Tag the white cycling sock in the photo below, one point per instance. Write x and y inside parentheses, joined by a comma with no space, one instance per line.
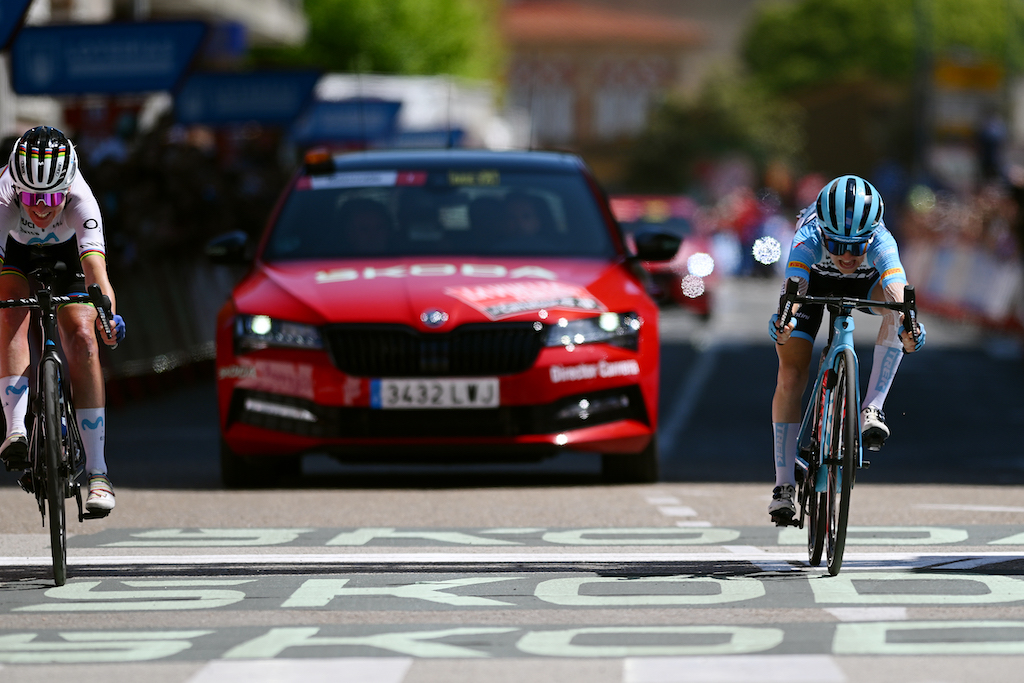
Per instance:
(15,401)
(92,427)
(785,452)
(884,363)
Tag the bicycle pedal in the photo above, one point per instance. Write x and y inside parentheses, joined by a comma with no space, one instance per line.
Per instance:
(784,518)
(26,483)
(95,514)
(865,464)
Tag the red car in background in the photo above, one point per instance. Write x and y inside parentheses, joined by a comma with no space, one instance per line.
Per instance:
(689,279)
(439,305)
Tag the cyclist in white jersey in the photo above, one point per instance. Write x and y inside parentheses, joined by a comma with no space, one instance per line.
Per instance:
(46,208)
(841,248)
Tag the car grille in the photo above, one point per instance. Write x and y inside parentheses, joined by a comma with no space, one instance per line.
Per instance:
(331,422)
(400,351)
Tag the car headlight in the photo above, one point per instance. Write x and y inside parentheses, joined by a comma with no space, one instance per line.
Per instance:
(618,329)
(253,332)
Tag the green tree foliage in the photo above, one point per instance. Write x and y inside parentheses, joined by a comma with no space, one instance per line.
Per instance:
(731,115)
(457,37)
(794,46)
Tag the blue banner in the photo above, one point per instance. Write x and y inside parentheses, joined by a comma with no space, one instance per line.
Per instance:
(103,58)
(267,97)
(427,139)
(353,120)
(12,12)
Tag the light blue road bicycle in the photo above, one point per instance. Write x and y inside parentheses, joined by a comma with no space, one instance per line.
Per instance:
(830,447)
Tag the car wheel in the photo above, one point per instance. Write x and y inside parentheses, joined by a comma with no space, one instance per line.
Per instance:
(632,468)
(242,472)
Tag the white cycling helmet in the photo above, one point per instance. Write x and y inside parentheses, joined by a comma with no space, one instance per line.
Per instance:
(43,161)
(849,209)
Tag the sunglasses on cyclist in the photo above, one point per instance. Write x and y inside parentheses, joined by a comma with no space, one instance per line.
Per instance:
(837,248)
(47,198)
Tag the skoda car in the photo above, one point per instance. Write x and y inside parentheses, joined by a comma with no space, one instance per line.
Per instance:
(435,305)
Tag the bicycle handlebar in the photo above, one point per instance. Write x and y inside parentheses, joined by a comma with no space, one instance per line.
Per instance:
(95,296)
(792,296)
(102,304)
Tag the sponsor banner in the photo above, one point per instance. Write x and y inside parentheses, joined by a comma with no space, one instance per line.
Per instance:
(356,120)
(350,179)
(103,58)
(267,97)
(278,377)
(482,270)
(967,282)
(602,369)
(12,13)
(503,300)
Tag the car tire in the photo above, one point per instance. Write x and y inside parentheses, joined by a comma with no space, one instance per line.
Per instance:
(631,468)
(242,472)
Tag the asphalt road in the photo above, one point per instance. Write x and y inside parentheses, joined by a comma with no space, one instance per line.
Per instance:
(507,573)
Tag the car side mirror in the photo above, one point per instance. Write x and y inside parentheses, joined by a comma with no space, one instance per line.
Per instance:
(656,246)
(229,249)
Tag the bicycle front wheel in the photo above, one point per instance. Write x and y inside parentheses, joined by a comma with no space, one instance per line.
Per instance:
(841,457)
(52,448)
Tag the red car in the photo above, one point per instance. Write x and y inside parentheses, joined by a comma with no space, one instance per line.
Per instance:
(437,305)
(690,278)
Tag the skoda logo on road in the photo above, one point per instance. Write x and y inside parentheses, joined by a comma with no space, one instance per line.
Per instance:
(434,317)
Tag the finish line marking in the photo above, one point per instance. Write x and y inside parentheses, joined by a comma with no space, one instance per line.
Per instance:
(767,561)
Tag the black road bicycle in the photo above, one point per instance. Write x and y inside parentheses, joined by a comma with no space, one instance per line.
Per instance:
(55,448)
(830,445)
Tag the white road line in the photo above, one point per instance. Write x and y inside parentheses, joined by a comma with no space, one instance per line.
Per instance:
(361,669)
(797,559)
(868,613)
(677,511)
(674,423)
(968,508)
(761,668)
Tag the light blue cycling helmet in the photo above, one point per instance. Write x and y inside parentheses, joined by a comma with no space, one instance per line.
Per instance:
(849,209)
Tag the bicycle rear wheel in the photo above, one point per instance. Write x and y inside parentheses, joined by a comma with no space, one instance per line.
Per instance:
(841,462)
(52,448)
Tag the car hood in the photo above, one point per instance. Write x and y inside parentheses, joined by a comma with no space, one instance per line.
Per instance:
(436,293)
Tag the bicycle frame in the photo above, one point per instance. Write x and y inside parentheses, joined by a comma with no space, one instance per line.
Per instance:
(840,339)
(830,446)
(56,452)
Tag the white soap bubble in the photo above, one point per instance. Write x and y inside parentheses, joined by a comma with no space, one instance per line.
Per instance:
(700,264)
(692,286)
(767,250)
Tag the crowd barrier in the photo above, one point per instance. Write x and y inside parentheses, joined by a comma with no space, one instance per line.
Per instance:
(170,311)
(967,282)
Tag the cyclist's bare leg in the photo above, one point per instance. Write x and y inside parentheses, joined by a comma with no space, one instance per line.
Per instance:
(794,364)
(14,322)
(14,361)
(885,361)
(76,323)
(794,368)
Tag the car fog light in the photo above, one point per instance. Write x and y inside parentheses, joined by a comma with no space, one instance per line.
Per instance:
(277,410)
(584,408)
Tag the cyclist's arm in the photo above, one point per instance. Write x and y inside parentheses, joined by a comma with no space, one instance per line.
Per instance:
(886,259)
(94,266)
(782,335)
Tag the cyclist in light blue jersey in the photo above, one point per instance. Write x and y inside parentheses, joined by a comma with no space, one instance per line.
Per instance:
(841,248)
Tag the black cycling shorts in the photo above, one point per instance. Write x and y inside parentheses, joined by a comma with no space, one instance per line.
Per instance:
(808,317)
(69,280)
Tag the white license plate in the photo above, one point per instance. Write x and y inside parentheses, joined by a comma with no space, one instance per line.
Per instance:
(426,393)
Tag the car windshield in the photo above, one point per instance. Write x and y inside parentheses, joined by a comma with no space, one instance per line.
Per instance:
(471,212)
